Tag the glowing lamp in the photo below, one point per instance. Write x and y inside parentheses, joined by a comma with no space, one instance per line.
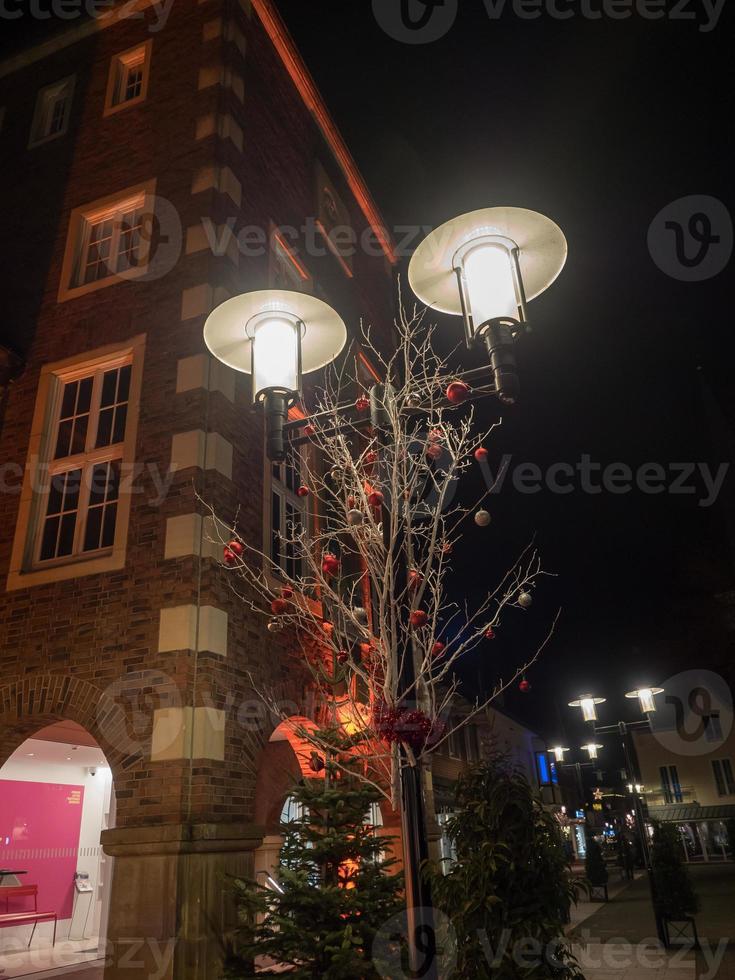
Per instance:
(646,697)
(591,748)
(486,266)
(277,336)
(558,752)
(588,704)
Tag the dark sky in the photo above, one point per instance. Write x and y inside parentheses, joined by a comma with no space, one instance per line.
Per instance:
(598,123)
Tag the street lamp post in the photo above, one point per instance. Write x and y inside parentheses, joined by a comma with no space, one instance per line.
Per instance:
(646,698)
(485,266)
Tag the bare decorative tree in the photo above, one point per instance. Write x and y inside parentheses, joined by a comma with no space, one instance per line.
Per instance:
(369,609)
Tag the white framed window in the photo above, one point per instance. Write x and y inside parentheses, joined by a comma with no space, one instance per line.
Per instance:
(670,785)
(52,112)
(286,270)
(287,513)
(724,777)
(76,495)
(108,241)
(127,84)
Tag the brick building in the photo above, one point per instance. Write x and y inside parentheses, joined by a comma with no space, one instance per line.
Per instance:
(151,166)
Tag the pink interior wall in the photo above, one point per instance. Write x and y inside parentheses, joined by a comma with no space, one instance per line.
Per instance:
(39,833)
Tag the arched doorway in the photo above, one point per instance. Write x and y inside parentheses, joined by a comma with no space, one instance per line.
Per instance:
(56,797)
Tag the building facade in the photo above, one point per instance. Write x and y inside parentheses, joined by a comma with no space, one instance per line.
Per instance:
(159,168)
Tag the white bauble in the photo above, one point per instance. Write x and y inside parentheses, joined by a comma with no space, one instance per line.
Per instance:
(482,518)
(525,600)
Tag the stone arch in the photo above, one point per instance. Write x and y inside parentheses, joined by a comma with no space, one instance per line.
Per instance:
(30,703)
(283,762)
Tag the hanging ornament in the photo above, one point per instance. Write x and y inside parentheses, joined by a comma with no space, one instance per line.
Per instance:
(525,600)
(274,626)
(235,547)
(482,518)
(360,614)
(229,557)
(316,763)
(342,657)
(355,518)
(447,548)
(365,649)
(458,392)
(434,451)
(375,498)
(309,430)
(336,474)
(328,628)
(524,687)
(371,456)
(362,404)
(330,563)
(415,578)
(489,633)
(351,502)
(481,455)
(418,618)
(438,649)
(303,492)
(278,607)
(287,592)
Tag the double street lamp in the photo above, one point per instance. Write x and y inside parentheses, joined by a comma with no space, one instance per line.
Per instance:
(486,267)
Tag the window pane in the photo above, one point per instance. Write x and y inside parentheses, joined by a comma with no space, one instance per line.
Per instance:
(118,429)
(104,427)
(63,440)
(66,534)
(48,542)
(113,480)
(69,400)
(56,494)
(92,532)
(109,386)
(79,437)
(71,489)
(123,388)
(98,484)
(85,395)
(108,530)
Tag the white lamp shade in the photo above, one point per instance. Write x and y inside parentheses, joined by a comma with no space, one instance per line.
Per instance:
(646,697)
(588,704)
(591,749)
(275,349)
(490,287)
(226,327)
(559,752)
(541,244)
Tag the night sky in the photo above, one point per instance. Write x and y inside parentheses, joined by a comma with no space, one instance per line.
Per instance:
(598,124)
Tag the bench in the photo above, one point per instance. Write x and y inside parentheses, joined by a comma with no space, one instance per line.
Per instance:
(19,891)
(25,918)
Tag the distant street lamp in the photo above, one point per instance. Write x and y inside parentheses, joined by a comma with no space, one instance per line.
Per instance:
(588,704)
(486,266)
(591,748)
(645,697)
(559,752)
(277,336)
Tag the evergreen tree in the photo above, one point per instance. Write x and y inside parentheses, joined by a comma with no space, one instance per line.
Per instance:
(335,889)
(508,894)
(595,869)
(675,895)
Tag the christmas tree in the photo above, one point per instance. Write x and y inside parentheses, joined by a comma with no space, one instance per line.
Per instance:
(510,888)
(334,887)
(675,895)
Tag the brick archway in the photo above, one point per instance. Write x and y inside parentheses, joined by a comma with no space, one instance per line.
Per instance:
(29,704)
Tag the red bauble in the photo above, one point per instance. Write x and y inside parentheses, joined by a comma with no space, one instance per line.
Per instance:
(235,547)
(524,687)
(375,499)
(351,502)
(489,633)
(415,578)
(365,649)
(279,606)
(371,456)
(458,392)
(438,649)
(362,404)
(419,618)
(287,592)
(481,455)
(330,564)
(328,627)
(342,657)
(309,431)
(229,557)
(434,451)
(303,492)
